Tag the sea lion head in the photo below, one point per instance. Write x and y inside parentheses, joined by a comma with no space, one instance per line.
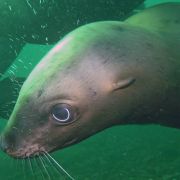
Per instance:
(82,86)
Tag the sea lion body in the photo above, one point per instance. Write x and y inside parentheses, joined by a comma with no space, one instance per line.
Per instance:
(99,75)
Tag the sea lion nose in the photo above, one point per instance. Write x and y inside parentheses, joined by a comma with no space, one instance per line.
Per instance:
(8,141)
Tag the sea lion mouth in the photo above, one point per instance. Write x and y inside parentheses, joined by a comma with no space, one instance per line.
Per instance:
(23,153)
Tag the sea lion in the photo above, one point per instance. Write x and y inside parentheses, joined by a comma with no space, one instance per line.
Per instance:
(48,21)
(100,75)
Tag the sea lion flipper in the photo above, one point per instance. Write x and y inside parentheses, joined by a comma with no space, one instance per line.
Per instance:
(121,84)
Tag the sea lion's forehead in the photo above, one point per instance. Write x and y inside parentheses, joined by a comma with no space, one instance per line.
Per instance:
(48,67)
(66,53)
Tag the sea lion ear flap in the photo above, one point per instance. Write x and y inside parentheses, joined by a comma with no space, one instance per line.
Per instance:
(121,84)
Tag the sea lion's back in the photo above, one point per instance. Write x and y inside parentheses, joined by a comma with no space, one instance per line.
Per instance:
(162,17)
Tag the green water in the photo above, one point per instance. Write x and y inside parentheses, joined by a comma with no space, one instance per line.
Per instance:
(148,152)
(128,152)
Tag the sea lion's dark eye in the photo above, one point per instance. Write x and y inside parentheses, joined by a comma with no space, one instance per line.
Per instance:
(62,113)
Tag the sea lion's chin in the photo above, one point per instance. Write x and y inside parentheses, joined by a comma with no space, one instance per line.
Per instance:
(29,148)
(35,150)
(27,152)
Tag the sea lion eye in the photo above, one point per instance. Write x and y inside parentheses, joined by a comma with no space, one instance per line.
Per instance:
(62,113)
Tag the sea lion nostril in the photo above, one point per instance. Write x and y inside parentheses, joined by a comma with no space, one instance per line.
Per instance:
(8,140)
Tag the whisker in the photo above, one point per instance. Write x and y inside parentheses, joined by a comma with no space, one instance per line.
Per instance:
(58,165)
(30,163)
(23,168)
(45,168)
(46,159)
(36,166)
(11,163)
(17,166)
(39,167)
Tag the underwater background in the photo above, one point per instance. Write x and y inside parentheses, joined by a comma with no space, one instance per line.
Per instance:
(131,152)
